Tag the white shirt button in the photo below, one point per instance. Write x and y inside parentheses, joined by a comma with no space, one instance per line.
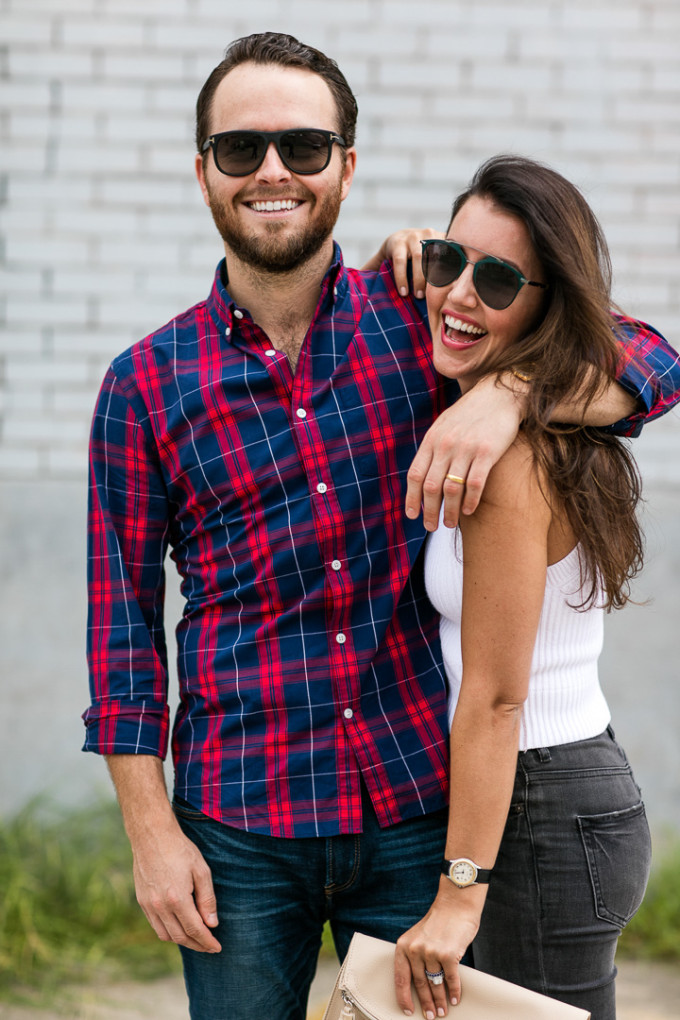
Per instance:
(227,331)
(322,487)
(271,353)
(238,314)
(336,565)
(348,713)
(341,638)
(301,413)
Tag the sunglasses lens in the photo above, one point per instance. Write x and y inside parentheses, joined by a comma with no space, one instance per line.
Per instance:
(497,284)
(305,152)
(443,263)
(239,152)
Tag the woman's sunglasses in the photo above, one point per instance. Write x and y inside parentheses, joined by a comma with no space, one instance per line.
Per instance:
(303,151)
(497,283)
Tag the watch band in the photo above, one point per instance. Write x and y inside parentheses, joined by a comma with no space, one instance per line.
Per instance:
(483,874)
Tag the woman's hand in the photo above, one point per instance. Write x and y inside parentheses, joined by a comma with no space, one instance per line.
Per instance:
(437,942)
(403,247)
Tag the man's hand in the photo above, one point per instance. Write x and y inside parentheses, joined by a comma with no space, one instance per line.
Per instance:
(403,247)
(174,889)
(172,880)
(460,449)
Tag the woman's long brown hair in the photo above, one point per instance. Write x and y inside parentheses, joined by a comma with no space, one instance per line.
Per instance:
(590,471)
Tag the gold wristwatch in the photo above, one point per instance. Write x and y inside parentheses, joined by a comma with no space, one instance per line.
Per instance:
(464,872)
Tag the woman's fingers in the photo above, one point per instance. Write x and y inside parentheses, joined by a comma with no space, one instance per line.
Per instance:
(436,983)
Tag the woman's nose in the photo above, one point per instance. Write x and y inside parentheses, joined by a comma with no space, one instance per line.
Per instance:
(463,288)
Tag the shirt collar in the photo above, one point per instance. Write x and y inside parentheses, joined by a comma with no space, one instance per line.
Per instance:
(226,314)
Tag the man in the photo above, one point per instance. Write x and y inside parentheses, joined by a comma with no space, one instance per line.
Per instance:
(265,435)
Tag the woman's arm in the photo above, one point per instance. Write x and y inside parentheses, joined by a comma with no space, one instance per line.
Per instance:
(505,555)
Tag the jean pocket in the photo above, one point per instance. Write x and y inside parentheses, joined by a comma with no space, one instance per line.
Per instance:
(184,810)
(618,851)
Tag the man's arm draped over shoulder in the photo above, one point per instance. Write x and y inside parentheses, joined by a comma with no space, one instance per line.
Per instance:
(472,435)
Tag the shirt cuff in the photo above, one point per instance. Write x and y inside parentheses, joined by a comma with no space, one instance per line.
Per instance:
(115,727)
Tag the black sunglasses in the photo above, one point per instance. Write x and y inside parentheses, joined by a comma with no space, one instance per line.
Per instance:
(302,151)
(497,283)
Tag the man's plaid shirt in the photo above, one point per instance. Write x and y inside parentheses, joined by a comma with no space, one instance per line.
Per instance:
(308,653)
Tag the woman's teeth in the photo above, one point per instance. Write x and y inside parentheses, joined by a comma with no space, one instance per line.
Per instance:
(463,327)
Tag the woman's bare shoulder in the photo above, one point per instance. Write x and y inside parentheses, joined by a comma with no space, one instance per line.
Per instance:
(516,477)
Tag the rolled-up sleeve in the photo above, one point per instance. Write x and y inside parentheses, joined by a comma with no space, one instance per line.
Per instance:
(128,525)
(649,369)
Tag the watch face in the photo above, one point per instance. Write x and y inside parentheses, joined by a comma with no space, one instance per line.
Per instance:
(463,873)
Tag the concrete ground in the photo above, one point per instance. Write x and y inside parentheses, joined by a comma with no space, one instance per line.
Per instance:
(646,991)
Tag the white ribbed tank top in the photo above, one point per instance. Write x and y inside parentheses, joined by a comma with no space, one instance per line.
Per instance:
(565,701)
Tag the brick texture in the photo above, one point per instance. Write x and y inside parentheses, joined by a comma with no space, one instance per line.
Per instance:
(103,234)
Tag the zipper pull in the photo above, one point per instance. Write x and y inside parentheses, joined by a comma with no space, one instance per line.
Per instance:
(347,1009)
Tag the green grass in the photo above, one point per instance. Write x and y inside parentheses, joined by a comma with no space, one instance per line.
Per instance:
(654,932)
(68,912)
(67,905)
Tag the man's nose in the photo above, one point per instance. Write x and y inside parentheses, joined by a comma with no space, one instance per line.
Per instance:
(272,167)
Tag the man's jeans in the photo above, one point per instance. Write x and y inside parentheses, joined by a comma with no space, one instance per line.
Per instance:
(571,872)
(274,895)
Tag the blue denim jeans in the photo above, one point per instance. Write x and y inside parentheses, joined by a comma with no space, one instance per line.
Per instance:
(571,872)
(274,895)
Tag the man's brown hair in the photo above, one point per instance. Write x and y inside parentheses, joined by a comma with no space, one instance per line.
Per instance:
(284,51)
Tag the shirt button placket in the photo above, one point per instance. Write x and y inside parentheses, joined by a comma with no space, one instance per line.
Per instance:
(335,564)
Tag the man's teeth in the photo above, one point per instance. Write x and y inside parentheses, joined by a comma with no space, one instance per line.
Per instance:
(278,206)
(462,327)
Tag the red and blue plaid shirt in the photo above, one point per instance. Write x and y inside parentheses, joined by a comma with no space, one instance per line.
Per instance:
(308,653)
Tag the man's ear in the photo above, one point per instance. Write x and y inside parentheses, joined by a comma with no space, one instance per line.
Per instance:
(348,172)
(200,174)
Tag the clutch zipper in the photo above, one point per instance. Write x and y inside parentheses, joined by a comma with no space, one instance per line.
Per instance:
(350,1005)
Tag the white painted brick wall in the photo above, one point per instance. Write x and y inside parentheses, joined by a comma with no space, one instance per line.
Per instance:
(103,234)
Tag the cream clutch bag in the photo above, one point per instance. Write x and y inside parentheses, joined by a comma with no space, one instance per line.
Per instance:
(364,990)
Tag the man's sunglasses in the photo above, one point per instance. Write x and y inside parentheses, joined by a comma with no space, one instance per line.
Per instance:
(303,151)
(497,283)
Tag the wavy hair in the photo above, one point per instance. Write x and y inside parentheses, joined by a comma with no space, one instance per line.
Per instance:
(590,471)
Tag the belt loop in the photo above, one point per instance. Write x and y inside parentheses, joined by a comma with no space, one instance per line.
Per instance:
(543,754)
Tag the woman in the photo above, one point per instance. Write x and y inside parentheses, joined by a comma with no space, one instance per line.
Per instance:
(543,801)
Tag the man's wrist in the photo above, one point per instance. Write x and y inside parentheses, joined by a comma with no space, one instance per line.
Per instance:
(518,388)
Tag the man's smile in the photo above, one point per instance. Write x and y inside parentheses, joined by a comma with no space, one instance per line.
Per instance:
(278,205)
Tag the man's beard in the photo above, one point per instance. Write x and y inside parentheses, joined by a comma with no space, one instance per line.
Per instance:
(272,253)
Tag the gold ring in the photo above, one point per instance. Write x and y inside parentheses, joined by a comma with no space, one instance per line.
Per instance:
(455,478)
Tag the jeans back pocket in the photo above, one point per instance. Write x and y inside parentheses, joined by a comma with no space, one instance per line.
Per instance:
(619,851)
